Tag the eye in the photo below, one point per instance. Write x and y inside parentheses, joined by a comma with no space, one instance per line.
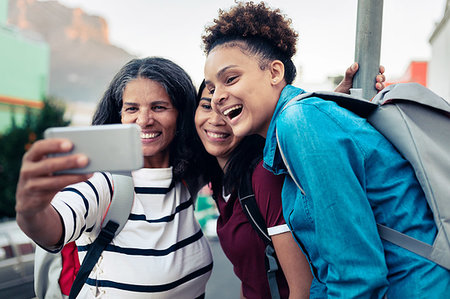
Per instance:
(206,106)
(130,109)
(230,80)
(159,108)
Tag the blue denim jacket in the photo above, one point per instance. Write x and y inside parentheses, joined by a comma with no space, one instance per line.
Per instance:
(352,179)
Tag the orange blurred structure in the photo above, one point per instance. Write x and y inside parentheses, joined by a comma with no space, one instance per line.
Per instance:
(416,72)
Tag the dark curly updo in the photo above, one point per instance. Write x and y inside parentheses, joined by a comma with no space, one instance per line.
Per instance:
(257,30)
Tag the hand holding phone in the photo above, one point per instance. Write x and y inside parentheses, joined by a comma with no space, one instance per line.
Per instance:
(113,148)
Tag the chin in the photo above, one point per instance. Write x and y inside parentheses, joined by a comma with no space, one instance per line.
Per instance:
(241,131)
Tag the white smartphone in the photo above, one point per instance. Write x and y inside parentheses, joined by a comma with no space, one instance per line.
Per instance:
(113,148)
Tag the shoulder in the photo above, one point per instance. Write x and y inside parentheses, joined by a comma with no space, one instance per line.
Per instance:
(264,180)
(308,109)
(267,188)
(313,117)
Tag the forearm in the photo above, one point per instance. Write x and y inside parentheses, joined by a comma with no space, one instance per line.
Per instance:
(294,265)
(44,227)
(242,294)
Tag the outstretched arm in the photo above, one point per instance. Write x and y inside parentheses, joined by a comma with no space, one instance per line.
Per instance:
(347,83)
(37,186)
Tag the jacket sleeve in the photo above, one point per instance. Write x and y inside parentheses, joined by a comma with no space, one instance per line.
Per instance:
(329,164)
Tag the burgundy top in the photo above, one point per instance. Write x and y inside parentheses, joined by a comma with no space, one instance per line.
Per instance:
(241,244)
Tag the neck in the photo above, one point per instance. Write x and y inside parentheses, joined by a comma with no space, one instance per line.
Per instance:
(222,162)
(156,161)
(265,126)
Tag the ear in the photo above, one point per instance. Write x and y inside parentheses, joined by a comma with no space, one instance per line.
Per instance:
(276,71)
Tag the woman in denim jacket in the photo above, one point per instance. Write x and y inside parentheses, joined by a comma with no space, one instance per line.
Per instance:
(350,177)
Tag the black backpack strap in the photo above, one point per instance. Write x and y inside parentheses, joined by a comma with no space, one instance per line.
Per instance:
(115,219)
(95,250)
(251,210)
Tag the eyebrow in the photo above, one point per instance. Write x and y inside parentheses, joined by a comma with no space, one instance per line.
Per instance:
(205,99)
(220,72)
(157,102)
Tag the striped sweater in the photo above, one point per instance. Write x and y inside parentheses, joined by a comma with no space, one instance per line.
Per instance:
(160,253)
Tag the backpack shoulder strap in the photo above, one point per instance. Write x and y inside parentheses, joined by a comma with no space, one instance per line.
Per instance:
(122,200)
(115,219)
(251,209)
(359,106)
(253,213)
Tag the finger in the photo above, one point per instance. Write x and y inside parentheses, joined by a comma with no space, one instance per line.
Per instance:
(35,194)
(46,167)
(382,69)
(53,184)
(42,148)
(351,71)
(381,78)
(379,86)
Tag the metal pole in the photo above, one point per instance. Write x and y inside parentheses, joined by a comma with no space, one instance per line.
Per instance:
(368,45)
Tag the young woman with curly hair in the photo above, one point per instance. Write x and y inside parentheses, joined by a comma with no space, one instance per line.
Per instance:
(350,176)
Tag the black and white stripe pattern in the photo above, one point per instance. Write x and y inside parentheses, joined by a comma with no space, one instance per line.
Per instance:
(160,253)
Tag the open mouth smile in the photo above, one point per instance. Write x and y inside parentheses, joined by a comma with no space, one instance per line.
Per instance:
(232,112)
(217,135)
(150,135)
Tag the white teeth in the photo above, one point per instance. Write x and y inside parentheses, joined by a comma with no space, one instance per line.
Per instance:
(226,112)
(149,135)
(216,135)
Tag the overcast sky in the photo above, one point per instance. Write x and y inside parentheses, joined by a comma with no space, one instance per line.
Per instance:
(172,28)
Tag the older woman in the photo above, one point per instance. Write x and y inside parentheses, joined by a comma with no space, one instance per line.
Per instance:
(161,252)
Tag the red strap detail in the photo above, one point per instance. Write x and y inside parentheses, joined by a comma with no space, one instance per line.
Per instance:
(70,267)
(109,205)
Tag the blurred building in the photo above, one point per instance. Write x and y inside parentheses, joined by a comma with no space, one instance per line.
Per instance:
(82,59)
(24,70)
(439,65)
(435,73)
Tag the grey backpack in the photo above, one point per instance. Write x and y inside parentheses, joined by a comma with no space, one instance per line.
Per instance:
(417,122)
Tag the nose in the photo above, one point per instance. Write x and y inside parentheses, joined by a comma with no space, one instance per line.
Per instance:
(144,119)
(217,99)
(216,119)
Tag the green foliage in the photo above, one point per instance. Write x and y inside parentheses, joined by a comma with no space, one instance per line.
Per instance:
(16,140)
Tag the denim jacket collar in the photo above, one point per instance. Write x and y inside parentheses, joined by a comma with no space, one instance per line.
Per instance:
(272,158)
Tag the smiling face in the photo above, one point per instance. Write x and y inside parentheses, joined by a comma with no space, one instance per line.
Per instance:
(243,93)
(216,135)
(147,104)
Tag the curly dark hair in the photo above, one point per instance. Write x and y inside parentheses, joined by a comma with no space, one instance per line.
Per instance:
(179,87)
(256,29)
